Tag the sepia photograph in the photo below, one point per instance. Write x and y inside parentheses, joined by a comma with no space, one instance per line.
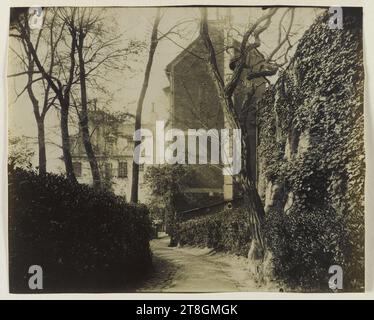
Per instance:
(190,149)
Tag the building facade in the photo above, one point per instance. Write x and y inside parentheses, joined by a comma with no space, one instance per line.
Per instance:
(112,140)
(194,104)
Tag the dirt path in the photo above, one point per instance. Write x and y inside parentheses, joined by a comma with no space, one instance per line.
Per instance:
(191,269)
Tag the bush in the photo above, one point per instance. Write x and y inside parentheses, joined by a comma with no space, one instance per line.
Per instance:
(84,240)
(304,244)
(226,231)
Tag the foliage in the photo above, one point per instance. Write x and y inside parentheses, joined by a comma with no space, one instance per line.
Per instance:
(167,183)
(227,231)
(84,239)
(305,244)
(20,154)
(167,179)
(156,209)
(319,96)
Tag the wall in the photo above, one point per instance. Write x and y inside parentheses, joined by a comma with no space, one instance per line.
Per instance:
(195,106)
(311,145)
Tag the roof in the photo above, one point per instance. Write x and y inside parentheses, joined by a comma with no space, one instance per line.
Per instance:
(215,25)
(191,47)
(102,116)
(182,54)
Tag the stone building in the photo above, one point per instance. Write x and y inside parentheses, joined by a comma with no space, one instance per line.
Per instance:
(112,140)
(194,104)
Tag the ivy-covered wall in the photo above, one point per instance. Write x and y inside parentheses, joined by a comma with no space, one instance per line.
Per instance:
(311,154)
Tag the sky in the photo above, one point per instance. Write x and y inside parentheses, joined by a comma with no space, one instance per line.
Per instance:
(136,24)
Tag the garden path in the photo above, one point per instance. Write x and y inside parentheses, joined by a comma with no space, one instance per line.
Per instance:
(191,269)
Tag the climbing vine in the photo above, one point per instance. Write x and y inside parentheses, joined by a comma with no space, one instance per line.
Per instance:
(311,142)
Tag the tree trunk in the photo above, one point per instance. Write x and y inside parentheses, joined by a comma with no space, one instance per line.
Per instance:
(38,117)
(83,121)
(135,171)
(171,221)
(41,145)
(139,108)
(251,197)
(64,112)
(40,124)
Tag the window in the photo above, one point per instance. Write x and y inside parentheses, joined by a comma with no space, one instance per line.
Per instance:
(122,169)
(77,167)
(141,167)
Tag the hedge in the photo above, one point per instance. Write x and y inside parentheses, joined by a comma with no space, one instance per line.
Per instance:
(84,240)
(225,231)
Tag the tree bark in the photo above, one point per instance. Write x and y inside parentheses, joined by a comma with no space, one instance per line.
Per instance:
(41,145)
(65,137)
(83,121)
(39,122)
(252,199)
(171,222)
(139,108)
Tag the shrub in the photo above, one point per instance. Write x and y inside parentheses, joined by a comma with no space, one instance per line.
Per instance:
(85,240)
(225,231)
(304,244)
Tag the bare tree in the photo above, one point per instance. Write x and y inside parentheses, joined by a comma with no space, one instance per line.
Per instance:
(88,50)
(226,90)
(99,51)
(61,90)
(156,37)
(139,108)
(78,32)
(39,109)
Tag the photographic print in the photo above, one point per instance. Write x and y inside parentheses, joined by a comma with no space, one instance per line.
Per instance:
(186,149)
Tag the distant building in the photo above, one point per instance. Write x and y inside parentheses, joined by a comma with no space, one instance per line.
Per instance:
(112,140)
(194,104)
